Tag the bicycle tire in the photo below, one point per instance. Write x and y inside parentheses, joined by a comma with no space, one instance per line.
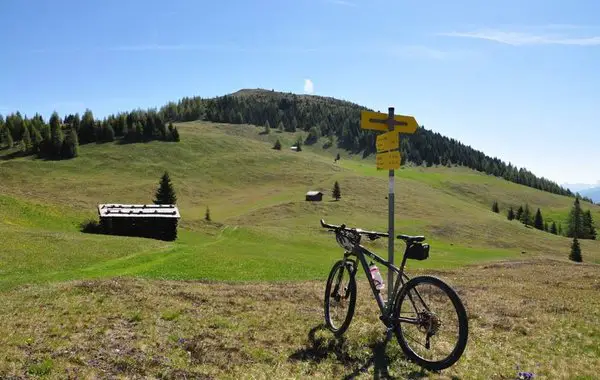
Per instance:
(338,331)
(461,343)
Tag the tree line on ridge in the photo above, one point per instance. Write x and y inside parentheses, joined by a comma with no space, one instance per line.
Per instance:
(319,116)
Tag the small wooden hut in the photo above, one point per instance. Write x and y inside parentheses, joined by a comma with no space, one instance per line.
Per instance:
(314,196)
(151,220)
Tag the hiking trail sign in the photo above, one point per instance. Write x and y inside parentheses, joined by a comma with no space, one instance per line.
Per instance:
(388,158)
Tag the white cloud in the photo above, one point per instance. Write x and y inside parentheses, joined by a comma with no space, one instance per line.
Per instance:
(422,52)
(309,87)
(546,35)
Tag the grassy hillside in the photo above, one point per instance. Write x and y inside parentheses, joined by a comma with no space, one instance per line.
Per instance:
(264,232)
(262,228)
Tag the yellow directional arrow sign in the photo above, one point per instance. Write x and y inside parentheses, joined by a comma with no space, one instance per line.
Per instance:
(387,141)
(379,122)
(388,160)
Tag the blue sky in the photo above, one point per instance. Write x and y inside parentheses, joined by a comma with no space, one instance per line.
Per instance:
(516,79)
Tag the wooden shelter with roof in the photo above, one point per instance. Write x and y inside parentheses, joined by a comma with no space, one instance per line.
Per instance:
(151,220)
(314,196)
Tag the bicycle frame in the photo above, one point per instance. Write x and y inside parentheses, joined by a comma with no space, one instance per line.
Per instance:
(386,309)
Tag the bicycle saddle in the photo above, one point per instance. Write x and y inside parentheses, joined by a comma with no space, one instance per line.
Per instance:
(411,239)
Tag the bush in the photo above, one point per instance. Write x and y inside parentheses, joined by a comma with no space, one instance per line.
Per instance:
(91,226)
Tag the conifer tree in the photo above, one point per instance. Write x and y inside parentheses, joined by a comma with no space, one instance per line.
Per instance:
(207,215)
(575,223)
(26,145)
(86,133)
(98,131)
(330,141)
(108,133)
(170,137)
(575,254)
(139,131)
(280,127)
(538,222)
(294,125)
(36,140)
(588,226)
(526,216)
(511,214)
(165,194)
(232,117)
(337,194)
(176,135)
(299,145)
(313,136)
(56,135)
(553,229)
(560,230)
(277,145)
(72,145)
(267,127)
(519,213)
(495,207)
(76,122)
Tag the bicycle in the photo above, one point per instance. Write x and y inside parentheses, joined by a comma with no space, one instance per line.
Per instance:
(404,293)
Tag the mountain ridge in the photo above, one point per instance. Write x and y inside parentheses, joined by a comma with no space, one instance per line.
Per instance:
(326,116)
(318,116)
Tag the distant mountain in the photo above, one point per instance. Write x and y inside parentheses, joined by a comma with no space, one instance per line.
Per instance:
(593,194)
(578,187)
(320,116)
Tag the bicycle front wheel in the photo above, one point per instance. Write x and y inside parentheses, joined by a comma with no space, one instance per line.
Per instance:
(432,326)
(340,297)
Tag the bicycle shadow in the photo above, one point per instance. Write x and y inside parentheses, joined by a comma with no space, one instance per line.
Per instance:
(319,349)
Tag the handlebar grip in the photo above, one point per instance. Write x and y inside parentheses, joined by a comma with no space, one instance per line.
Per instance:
(325,225)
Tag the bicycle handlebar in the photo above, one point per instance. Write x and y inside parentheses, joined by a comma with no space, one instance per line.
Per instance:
(371,234)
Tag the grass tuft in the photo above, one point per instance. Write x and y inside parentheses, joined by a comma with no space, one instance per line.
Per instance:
(40,369)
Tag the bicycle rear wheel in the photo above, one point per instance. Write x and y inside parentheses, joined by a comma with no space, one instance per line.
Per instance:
(340,297)
(432,325)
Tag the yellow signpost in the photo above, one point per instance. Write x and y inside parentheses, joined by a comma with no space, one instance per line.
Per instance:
(380,122)
(388,158)
(387,141)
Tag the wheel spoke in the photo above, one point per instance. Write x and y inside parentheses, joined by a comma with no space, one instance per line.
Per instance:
(436,333)
(340,298)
